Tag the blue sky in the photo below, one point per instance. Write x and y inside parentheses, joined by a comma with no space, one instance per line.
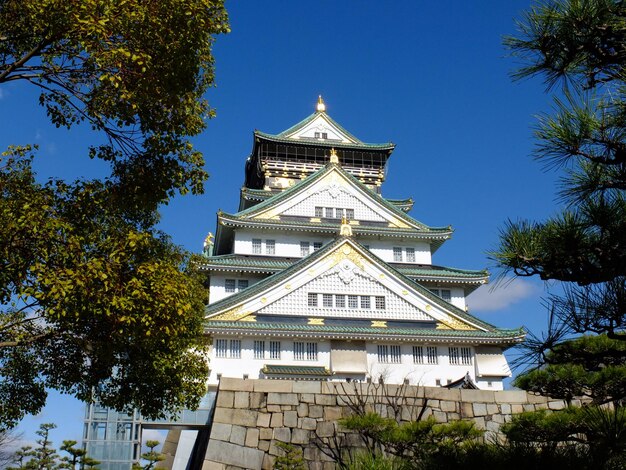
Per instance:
(432,77)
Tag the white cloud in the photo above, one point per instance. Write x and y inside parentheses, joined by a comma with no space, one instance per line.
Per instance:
(501,296)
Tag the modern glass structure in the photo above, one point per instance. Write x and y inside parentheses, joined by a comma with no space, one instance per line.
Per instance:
(114,438)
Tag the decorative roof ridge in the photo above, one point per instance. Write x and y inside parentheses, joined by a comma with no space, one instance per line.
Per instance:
(309,180)
(324,115)
(277,277)
(325,143)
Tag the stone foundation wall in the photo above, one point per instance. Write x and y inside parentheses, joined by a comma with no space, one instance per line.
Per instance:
(251,416)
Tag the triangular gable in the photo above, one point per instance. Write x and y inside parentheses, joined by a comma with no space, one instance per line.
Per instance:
(331,186)
(348,261)
(319,126)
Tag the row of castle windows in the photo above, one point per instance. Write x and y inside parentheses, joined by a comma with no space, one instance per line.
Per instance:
(353,301)
(387,353)
(334,212)
(398,255)
(257,246)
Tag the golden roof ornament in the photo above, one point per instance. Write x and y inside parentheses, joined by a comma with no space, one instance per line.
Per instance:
(334,158)
(346,228)
(321,107)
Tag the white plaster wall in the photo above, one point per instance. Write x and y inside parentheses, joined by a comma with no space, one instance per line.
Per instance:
(216,286)
(384,250)
(287,244)
(237,368)
(458,297)
(418,374)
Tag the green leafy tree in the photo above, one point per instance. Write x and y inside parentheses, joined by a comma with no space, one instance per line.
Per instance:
(152,457)
(45,456)
(580,44)
(96,302)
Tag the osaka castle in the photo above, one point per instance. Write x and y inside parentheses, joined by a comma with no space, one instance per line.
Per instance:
(318,276)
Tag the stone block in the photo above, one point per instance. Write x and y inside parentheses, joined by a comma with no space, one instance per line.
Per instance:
(287,407)
(498,418)
(257,400)
(492,426)
(445,405)
(302,386)
(506,408)
(332,413)
(308,424)
(290,419)
(300,436)
(282,434)
(235,385)
(479,423)
(316,411)
(279,386)
(325,429)
(485,396)
(326,400)
(274,449)
(541,406)
(208,465)
(303,410)
(510,396)
(274,398)
(264,445)
(480,409)
(516,408)
(266,433)
(492,409)
(277,420)
(274,408)
(307,398)
(529,407)
(232,454)
(238,435)
(453,416)
(252,437)
(440,393)
(329,466)
(221,431)
(440,416)
(263,420)
(535,398)
(556,405)
(239,417)
(242,400)
(225,399)
(268,462)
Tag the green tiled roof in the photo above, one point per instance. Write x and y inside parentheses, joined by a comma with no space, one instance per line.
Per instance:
(308,181)
(513,335)
(270,264)
(435,233)
(357,143)
(271,369)
(263,194)
(270,281)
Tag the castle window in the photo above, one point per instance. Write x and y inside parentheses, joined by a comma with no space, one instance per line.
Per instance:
(225,348)
(380,302)
(327,300)
(353,301)
(242,284)
(256,246)
(338,213)
(230,285)
(466,356)
(396,354)
(319,212)
(304,248)
(316,135)
(312,300)
(340,301)
(383,353)
(410,255)
(235,348)
(431,355)
(365,302)
(274,349)
(445,294)
(397,254)
(259,349)
(324,135)
(350,214)
(329,212)
(270,247)
(317,246)
(305,351)
(418,355)
(453,354)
